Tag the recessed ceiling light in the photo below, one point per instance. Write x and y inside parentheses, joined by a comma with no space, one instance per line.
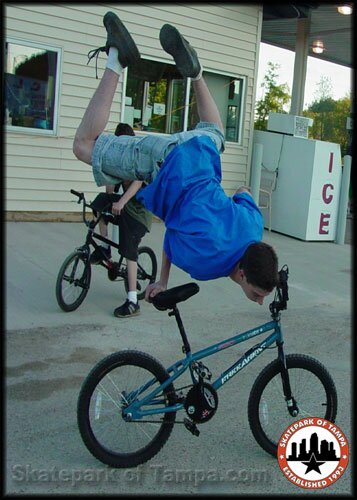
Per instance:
(318,47)
(345,9)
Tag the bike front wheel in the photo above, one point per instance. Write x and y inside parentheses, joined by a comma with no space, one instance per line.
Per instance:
(73,281)
(311,386)
(119,380)
(147,270)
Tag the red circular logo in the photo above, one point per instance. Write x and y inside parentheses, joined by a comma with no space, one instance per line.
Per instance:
(313,453)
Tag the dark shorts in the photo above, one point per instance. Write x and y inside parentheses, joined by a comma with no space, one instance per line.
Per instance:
(131,231)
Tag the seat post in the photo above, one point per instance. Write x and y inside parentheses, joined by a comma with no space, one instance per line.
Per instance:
(186,346)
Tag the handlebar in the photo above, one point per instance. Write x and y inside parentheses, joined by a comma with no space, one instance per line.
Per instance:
(80,195)
(281,294)
(82,199)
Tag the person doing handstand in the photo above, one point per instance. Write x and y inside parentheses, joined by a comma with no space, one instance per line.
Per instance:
(208,234)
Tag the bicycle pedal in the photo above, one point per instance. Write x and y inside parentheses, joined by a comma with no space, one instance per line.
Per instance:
(191,426)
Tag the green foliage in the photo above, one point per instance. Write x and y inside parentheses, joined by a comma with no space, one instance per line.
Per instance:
(274,100)
(330,118)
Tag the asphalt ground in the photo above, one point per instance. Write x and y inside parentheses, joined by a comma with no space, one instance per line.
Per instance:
(48,353)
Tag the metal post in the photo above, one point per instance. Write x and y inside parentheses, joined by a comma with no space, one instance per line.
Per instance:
(256,172)
(300,64)
(343,201)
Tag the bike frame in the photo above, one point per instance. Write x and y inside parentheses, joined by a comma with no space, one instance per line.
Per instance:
(135,411)
(90,240)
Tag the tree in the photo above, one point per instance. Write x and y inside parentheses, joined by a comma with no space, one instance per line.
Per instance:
(330,119)
(274,100)
(319,111)
(329,116)
(324,89)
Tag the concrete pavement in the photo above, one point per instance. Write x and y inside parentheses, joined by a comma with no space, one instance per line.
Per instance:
(49,353)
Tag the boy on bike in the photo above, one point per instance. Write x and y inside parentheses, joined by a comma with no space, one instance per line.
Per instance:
(208,234)
(134,221)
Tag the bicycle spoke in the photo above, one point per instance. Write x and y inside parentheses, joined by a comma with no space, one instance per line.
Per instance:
(117,390)
(73,281)
(307,391)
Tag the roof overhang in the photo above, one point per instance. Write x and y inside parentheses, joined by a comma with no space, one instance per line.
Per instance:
(280,21)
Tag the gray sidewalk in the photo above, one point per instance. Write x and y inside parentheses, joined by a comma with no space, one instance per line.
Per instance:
(49,353)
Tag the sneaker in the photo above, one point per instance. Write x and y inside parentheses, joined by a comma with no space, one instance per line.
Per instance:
(100,254)
(184,55)
(119,37)
(127,309)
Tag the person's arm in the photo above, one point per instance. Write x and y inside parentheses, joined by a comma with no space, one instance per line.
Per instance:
(161,285)
(109,189)
(118,206)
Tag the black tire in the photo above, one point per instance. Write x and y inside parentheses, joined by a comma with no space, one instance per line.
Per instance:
(147,270)
(312,387)
(124,372)
(73,281)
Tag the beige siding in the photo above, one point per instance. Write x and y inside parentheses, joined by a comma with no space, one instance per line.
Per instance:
(40,170)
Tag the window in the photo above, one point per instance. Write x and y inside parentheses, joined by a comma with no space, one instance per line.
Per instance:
(159,100)
(31,86)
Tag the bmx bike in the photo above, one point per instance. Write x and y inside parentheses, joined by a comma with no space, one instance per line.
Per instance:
(127,405)
(74,276)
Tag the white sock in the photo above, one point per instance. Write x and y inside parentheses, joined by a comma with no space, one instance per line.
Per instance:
(133,297)
(113,61)
(199,76)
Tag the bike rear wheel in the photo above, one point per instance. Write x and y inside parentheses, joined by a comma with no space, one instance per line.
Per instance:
(147,270)
(312,388)
(73,281)
(118,380)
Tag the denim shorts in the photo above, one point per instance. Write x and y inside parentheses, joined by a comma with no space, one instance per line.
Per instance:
(117,158)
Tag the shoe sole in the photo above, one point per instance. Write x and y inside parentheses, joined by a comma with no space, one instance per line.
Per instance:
(119,37)
(127,315)
(184,55)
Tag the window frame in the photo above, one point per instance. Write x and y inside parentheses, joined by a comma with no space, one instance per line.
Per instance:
(38,45)
(239,142)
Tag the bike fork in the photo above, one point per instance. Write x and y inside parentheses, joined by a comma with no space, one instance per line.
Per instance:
(290,401)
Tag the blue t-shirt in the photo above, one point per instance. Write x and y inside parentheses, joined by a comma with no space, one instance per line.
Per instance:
(207,232)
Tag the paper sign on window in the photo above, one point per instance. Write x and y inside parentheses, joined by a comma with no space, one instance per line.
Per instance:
(159,109)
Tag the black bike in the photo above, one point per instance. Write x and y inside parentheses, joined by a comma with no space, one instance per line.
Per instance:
(74,277)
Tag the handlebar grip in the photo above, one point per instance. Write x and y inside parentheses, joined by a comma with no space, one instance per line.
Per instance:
(80,195)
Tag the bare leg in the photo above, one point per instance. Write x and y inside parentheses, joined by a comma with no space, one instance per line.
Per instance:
(95,117)
(103,228)
(131,306)
(187,63)
(122,51)
(206,106)
(132,274)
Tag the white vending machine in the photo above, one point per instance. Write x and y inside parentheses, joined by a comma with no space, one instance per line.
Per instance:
(308,174)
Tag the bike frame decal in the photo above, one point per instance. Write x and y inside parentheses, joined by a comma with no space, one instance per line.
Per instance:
(178,368)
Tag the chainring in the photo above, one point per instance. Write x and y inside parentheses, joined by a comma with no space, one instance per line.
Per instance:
(201,402)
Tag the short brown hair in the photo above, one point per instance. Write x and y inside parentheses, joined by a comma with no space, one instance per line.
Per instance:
(260,266)
(124,129)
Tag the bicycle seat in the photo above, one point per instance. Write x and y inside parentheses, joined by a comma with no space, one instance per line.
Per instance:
(172,296)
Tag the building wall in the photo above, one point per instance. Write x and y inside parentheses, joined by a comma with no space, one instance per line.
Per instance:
(40,170)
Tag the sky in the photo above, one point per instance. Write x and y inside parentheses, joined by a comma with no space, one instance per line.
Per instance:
(340,76)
